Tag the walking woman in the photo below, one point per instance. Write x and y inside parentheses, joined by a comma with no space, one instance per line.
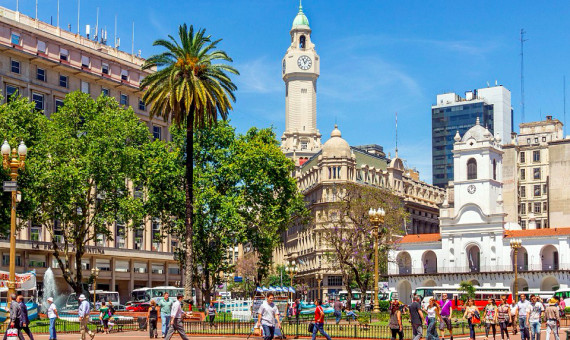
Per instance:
(472,316)
(504,317)
(432,315)
(491,318)
(152,317)
(395,322)
(104,317)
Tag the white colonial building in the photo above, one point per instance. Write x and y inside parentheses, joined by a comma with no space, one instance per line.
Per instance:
(474,240)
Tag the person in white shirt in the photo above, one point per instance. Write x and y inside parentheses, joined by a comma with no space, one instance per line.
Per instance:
(523,312)
(535,317)
(176,320)
(52,315)
(268,317)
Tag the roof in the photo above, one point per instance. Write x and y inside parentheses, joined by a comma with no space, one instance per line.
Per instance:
(421,238)
(301,19)
(537,232)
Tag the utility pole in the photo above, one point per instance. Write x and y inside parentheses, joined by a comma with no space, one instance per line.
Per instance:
(523,32)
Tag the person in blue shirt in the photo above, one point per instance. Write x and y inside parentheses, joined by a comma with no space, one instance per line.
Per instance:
(83,313)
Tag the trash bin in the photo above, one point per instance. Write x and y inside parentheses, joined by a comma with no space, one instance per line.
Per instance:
(142,323)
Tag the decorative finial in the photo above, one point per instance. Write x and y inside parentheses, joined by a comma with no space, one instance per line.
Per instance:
(457,137)
(477,122)
(300,5)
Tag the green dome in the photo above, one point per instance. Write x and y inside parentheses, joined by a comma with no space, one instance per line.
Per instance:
(301,18)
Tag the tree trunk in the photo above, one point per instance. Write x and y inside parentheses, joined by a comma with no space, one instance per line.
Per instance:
(188,282)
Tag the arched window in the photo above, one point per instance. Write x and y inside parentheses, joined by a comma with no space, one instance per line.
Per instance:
(302,42)
(494,169)
(472,169)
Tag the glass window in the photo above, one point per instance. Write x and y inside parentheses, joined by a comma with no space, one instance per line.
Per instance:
(472,169)
(156,237)
(139,238)
(156,132)
(15,38)
(58,103)
(36,233)
(124,75)
(84,87)
(140,267)
(124,100)
(173,270)
(37,261)
(105,68)
(522,191)
(105,91)
(536,139)
(544,139)
(536,172)
(38,98)
(157,268)
(16,66)
(523,224)
(303,145)
(103,264)
(544,189)
(545,206)
(494,169)
(122,266)
(523,174)
(63,54)
(85,264)
(536,190)
(523,157)
(537,208)
(120,235)
(528,140)
(85,61)
(41,74)
(63,81)
(536,156)
(334,280)
(522,208)
(10,91)
(6,260)
(142,105)
(41,46)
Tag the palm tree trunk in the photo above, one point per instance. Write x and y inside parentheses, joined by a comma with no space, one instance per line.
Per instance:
(188,282)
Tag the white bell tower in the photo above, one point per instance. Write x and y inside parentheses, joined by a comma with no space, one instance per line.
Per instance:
(301,67)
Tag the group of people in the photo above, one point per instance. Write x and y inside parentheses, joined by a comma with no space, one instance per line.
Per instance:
(529,315)
(19,317)
(171,315)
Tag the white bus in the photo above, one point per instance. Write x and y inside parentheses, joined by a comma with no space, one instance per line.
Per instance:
(146,294)
(387,295)
(563,294)
(100,297)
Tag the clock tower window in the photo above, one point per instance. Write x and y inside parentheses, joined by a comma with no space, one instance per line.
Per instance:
(302,42)
(472,169)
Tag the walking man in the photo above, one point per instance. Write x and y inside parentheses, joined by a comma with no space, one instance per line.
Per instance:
(416,317)
(445,314)
(523,313)
(268,317)
(24,321)
(319,321)
(535,318)
(338,310)
(552,314)
(15,316)
(165,309)
(176,319)
(83,313)
(52,315)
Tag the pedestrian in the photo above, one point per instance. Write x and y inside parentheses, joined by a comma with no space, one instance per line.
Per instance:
(523,313)
(165,310)
(416,317)
(473,317)
(177,319)
(445,313)
(433,316)
(491,317)
(52,315)
(15,316)
(337,310)
(24,320)
(514,310)
(562,306)
(319,321)
(152,317)
(83,313)
(268,317)
(552,314)
(535,317)
(297,310)
(104,317)
(504,317)
(212,312)
(395,322)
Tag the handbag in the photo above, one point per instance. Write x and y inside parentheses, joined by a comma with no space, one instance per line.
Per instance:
(12,334)
(311,327)
(257,331)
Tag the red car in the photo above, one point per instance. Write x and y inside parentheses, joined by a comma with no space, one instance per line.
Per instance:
(138,307)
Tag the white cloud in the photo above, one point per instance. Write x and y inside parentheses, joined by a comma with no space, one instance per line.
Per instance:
(259,75)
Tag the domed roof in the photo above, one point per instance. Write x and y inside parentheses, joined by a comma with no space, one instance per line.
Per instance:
(477,132)
(336,146)
(301,19)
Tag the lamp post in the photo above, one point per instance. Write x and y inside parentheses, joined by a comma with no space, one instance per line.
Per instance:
(292,270)
(516,244)
(14,164)
(95,273)
(319,277)
(376,218)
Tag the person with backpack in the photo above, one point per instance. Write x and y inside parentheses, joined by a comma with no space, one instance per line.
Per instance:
(319,321)
(445,313)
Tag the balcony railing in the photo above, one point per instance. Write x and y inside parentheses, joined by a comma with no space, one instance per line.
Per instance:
(406,270)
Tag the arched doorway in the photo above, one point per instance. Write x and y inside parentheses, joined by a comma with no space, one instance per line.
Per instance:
(475,282)
(549,257)
(404,261)
(522,285)
(429,283)
(549,283)
(404,289)
(521,260)
(474,258)
(429,261)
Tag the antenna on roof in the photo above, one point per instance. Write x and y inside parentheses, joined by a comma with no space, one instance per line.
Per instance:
(133,41)
(115,37)
(523,32)
(36,10)
(57,13)
(396,134)
(96,37)
(564,94)
(78,8)
(17,5)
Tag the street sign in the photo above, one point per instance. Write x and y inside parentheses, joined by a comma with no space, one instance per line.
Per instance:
(238,279)
(10,186)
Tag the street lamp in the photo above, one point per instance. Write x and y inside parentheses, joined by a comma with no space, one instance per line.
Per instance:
(95,273)
(292,270)
(319,277)
(516,244)
(376,218)
(13,165)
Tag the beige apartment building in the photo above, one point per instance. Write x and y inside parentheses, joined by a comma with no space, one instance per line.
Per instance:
(536,167)
(44,63)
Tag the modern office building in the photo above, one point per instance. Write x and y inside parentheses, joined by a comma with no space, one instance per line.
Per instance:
(44,63)
(452,114)
(536,177)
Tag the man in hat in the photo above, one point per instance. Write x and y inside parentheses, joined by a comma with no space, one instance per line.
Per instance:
(83,313)
(176,319)
(15,316)
(552,314)
(52,315)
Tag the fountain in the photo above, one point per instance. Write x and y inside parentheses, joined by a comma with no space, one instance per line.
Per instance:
(50,289)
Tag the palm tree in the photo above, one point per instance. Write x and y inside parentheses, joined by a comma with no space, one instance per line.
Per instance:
(190,89)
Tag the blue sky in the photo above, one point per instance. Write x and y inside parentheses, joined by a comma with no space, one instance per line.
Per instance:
(377,57)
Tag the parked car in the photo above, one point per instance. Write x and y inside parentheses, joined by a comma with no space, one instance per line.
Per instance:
(138,307)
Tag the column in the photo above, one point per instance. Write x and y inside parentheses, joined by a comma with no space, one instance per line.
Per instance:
(166,273)
(25,259)
(113,280)
(149,269)
(132,276)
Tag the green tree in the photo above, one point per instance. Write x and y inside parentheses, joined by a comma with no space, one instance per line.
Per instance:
(279,277)
(468,291)
(189,88)
(88,154)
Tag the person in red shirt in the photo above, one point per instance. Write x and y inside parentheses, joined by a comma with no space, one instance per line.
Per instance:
(319,321)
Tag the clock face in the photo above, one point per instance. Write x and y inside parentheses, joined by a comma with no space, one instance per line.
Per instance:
(283,66)
(471,189)
(304,62)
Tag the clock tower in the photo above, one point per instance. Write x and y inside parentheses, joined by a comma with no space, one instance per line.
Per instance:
(300,69)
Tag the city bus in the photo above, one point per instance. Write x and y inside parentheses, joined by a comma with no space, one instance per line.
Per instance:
(146,294)
(100,297)
(387,295)
(564,295)
(481,298)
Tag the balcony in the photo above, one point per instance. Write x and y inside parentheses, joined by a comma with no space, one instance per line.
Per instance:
(536,267)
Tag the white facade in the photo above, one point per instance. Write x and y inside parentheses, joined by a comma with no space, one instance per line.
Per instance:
(474,240)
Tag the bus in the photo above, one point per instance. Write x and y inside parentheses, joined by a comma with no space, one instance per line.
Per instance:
(564,295)
(481,298)
(100,297)
(146,294)
(428,291)
(386,295)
